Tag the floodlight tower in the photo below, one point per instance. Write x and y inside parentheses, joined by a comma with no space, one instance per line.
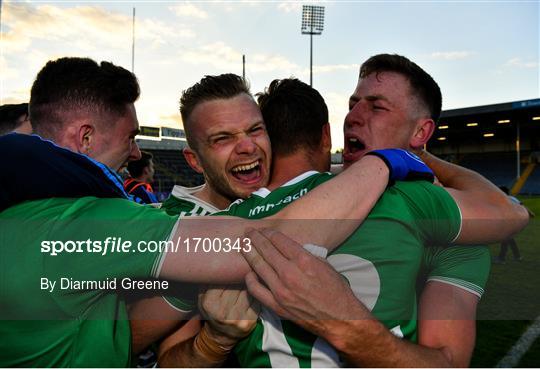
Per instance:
(312,24)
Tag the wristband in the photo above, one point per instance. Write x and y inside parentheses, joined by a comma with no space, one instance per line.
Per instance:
(212,351)
(404,165)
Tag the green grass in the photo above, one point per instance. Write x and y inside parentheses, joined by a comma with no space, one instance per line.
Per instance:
(512,299)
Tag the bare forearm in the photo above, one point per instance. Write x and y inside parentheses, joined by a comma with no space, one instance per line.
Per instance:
(363,341)
(488,214)
(325,216)
(182,355)
(460,178)
(368,343)
(447,319)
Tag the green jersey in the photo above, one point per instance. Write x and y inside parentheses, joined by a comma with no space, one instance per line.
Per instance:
(380,260)
(73,322)
(182,202)
(464,267)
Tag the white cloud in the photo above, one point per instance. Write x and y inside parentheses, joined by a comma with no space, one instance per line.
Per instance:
(270,63)
(337,110)
(7,71)
(86,27)
(252,3)
(171,120)
(217,54)
(222,56)
(189,10)
(517,62)
(319,69)
(289,7)
(451,55)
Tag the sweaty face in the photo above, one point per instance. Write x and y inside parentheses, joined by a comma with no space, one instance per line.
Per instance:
(233,146)
(115,145)
(380,116)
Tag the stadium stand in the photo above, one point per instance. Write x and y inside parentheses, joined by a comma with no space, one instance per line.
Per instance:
(166,144)
(173,169)
(483,138)
(492,140)
(532,185)
(501,174)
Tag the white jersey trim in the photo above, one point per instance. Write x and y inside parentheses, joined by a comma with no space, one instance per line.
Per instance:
(300,178)
(459,283)
(187,193)
(460,224)
(175,307)
(263,191)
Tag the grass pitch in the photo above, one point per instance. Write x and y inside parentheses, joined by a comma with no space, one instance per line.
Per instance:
(511,300)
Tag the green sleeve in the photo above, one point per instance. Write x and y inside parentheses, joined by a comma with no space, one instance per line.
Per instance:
(98,219)
(121,222)
(232,209)
(435,213)
(174,206)
(466,267)
(182,296)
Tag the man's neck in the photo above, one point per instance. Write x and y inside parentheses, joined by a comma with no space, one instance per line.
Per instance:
(213,198)
(286,168)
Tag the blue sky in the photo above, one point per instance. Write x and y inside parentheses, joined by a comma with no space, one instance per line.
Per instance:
(479,52)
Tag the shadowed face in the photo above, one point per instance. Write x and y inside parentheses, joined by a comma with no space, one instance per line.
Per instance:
(116,147)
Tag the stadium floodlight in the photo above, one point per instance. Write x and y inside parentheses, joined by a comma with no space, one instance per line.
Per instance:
(441,138)
(489,134)
(472,124)
(536,118)
(312,24)
(443,127)
(503,121)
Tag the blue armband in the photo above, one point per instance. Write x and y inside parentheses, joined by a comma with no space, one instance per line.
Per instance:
(404,165)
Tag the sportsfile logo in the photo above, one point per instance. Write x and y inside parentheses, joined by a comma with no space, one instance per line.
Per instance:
(117,245)
(109,245)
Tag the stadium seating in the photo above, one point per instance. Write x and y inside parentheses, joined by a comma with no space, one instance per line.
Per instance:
(499,168)
(532,186)
(172,169)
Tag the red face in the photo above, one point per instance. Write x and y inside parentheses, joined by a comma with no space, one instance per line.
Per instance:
(380,116)
(233,146)
(118,147)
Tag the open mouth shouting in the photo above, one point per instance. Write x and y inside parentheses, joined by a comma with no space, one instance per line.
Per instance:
(354,149)
(248,173)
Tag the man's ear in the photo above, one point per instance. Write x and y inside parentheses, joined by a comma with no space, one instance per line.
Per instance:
(85,138)
(146,171)
(326,139)
(193,160)
(423,131)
